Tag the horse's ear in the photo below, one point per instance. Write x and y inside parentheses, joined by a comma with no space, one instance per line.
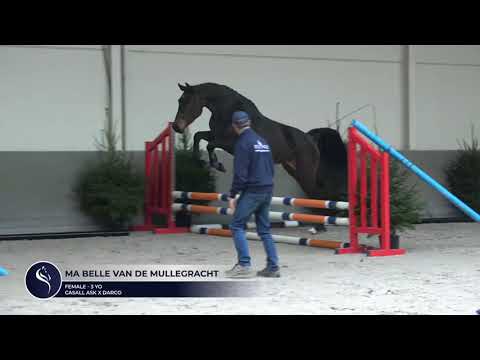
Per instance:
(186,88)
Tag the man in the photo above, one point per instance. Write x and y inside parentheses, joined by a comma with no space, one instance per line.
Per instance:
(253,178)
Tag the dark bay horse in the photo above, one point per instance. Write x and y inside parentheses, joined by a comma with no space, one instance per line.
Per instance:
(316,160)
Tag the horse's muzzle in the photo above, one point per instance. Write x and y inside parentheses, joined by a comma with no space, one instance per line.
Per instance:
(177,129)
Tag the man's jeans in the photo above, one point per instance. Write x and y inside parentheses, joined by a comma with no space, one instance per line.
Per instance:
(258,204)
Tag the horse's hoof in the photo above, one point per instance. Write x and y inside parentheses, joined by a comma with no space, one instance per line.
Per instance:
(321,228)
(221,168)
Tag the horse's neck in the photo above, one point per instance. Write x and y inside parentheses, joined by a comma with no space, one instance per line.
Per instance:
(223,104)
(218,120)
(220,108)
(214,108)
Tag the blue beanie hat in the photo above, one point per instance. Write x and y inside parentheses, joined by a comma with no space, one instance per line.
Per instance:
(240,118)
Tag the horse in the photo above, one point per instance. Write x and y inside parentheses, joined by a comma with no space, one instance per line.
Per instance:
(317,160)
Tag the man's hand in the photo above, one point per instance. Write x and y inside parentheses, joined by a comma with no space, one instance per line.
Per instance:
(232,204)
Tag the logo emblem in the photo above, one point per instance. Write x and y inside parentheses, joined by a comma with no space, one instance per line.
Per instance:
(259,147)
(43,280)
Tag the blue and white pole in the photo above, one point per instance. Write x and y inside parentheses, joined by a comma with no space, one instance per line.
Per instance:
(416,170)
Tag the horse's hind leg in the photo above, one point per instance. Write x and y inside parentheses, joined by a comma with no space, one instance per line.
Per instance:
(291,169)
(304,172)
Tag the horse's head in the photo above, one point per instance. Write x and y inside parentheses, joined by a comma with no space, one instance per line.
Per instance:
(190,106)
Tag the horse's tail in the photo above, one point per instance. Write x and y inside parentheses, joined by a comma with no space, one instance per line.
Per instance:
(333,164)
(331,147)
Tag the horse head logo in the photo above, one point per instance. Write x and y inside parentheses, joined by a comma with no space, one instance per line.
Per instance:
(43,276)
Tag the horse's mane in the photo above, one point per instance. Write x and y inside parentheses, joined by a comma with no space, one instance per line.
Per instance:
(236,100)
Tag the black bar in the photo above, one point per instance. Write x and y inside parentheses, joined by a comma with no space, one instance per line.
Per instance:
(69,235)
(153,289)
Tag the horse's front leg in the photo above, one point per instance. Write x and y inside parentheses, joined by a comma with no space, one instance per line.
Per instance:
(212,145)
(199,136)
(213,157)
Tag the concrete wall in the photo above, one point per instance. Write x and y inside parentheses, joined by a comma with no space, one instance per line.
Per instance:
(53,100)
(37,193)
(434,163)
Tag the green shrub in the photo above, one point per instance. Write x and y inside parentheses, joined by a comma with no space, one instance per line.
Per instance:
(463,173)
(109,190)
(405,204)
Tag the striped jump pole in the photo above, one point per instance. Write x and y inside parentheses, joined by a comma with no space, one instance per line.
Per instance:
(3,272)
(276,216)
(252,225)
(219,231)
(281,201)
(249,226)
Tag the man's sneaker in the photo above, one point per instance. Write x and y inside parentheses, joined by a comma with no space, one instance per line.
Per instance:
(239,272)
(269,273)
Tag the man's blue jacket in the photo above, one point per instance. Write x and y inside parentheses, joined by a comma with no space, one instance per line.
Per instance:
(254,169)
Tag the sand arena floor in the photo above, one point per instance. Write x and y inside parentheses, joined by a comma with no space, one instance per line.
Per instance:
(439,275)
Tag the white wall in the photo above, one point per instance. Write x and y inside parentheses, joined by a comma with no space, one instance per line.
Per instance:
(52,98)
(296,85)
(447,95)
(448,54)
(388,53)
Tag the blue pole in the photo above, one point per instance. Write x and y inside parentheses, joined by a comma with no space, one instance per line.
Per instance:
(3,272)
(416,170)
